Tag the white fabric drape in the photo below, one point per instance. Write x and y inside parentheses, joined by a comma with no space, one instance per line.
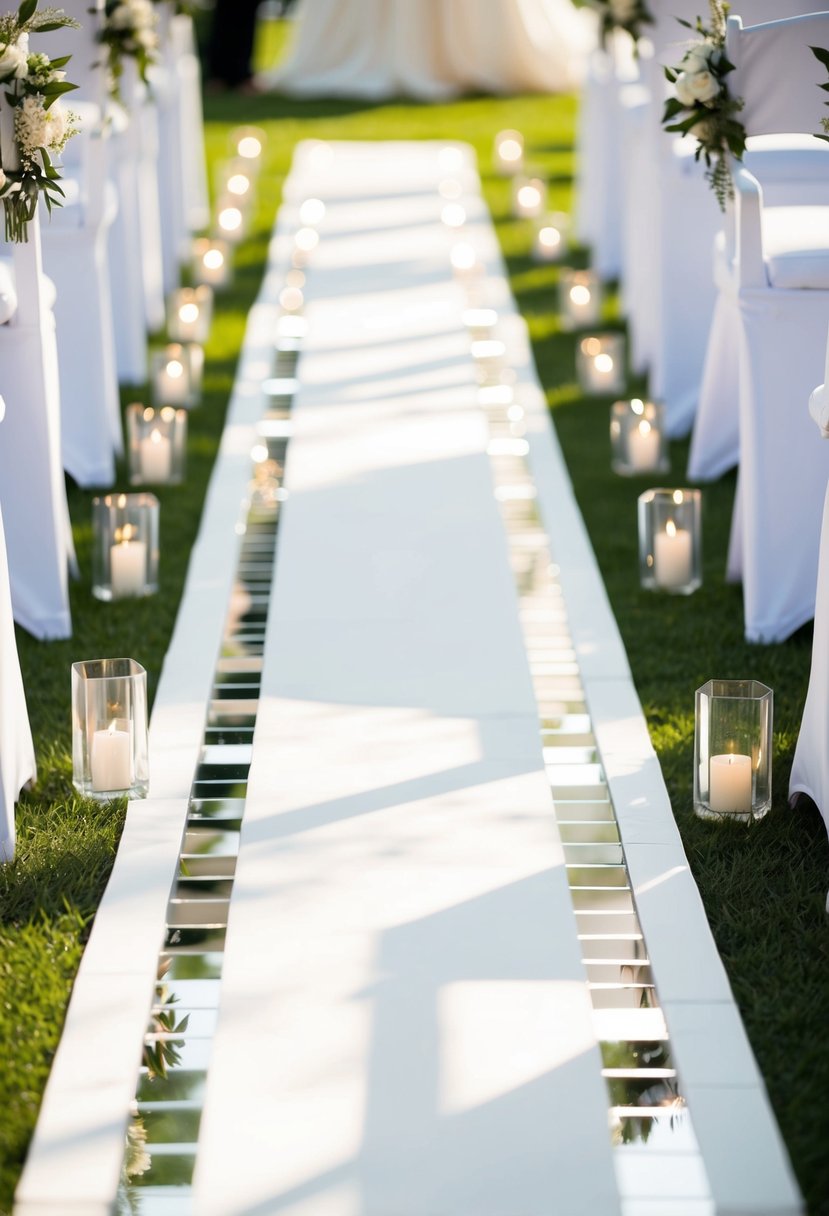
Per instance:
(17,755)
(434,48)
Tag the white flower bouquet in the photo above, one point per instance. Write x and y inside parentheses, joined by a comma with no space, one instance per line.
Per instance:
(129,31)
(628,15)
(34,126)
(702,105)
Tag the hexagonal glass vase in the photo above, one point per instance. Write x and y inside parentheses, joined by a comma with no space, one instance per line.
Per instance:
(732,750)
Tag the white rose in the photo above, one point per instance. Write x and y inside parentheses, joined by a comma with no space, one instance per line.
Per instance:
(13,61)
(623,10)
(696,86)
(2,181)
(698,58)
(146,39)
(143,13)
(704,86)
(121,18)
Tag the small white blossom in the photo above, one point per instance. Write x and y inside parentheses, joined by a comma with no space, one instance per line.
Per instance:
(696,86)
(13,62)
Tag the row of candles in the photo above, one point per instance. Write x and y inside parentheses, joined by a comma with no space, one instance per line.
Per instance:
(109,696)
(732,751)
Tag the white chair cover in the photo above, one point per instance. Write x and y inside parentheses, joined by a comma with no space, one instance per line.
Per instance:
(599,166)
(17,753)
(76,257)
(435,48)
(670,221)
(193,163)
(810,769)
(774,333)
(32,490)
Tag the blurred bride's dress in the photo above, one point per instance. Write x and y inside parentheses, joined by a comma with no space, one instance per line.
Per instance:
(434,48)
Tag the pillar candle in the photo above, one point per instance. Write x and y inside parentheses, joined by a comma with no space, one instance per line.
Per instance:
(172,385)
(155,455)
(109,760)
(127,564)
(643,446)
(672,556)
(730,784)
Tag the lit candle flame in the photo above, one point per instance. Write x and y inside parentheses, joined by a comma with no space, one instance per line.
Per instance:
(250,147)
(188,313)
(604,364)
(175,369)
(238,184)
(670,528)
(214,259)
(580,295)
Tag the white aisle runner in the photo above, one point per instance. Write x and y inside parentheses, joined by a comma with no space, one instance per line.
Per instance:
(405,1027)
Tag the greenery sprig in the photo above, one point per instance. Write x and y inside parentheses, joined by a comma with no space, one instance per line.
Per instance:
(32,87)
(627,15)
(129,31)
(703,105)
(820,53)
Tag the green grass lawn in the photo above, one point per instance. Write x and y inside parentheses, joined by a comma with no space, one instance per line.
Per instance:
(763,889)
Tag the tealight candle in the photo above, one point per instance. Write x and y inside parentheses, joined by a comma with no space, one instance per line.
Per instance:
(128,564)
(211,262)
(110,760)
(529,196)
(672,556)
(730,784)
(508,153)
(155,457)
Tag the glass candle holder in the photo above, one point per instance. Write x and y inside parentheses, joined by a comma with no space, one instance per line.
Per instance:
(125,546)
(248,143)
(732,750)
(189,313)
(600,363)
(670,540)
(551,237)
(235,178)
(109,729)
(638,443)
(211,262)
(231,219)
(580,298)
(176,374)
(529,197)
(508,153)
(156,444)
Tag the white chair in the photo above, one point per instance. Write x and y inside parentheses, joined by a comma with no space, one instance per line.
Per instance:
(810,769)
(775,282)
(17,753)
(176,84)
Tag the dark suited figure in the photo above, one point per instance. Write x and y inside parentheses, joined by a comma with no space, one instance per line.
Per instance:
(230,49)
